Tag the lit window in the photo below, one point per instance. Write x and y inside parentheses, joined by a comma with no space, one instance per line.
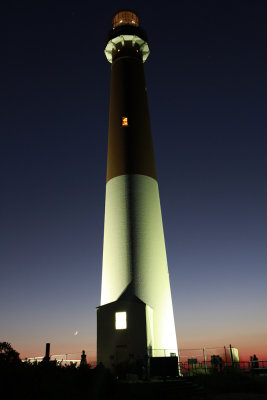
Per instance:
(124,121)
(120,320)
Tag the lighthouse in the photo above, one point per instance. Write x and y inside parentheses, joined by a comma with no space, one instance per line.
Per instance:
(135,318)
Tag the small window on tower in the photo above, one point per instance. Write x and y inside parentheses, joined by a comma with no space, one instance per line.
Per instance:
(124,121)
(120,320)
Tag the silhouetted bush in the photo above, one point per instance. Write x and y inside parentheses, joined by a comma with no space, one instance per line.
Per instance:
(52,381)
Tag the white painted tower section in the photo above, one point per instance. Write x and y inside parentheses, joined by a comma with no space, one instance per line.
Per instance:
(134,253)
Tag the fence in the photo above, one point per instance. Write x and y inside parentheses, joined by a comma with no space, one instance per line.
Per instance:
(67,358)
(206,354)
(191,361)
(209,367)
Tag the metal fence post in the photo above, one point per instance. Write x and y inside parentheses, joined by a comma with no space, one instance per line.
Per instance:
(204,355)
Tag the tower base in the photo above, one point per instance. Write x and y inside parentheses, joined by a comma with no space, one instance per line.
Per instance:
(124,333)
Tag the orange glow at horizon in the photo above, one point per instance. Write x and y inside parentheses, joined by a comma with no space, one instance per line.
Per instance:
(245,351)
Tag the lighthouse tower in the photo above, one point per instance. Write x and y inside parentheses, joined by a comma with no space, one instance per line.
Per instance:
(135,319)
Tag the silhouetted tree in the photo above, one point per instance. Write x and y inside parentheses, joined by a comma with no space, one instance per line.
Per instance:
(7,354)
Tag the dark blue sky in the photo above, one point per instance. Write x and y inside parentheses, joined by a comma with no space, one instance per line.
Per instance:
(206,80)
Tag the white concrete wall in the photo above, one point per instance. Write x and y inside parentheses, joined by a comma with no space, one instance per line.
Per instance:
(134,251)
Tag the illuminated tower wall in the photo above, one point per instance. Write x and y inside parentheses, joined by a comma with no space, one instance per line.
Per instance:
(135,317)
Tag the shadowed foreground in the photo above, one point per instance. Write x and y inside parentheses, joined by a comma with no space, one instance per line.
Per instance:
(51,381)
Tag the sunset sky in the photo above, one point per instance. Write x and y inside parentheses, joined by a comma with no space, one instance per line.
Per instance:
(206,82)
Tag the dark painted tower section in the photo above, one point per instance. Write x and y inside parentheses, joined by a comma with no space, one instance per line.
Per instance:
(129,151)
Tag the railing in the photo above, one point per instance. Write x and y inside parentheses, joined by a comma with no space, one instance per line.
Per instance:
(162,352)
